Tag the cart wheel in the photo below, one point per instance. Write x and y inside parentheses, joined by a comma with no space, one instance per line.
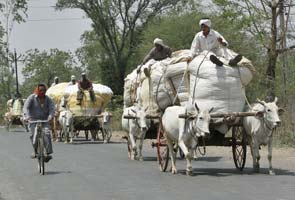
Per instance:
(239,146)
(162,150)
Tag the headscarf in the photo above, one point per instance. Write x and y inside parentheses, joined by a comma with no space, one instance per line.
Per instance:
(159,42)
(206,22)
(38,92)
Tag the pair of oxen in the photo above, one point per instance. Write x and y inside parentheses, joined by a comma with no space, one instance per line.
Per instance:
(65,119)
(185,131)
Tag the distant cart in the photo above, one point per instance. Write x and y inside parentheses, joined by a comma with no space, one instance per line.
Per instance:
(88,124)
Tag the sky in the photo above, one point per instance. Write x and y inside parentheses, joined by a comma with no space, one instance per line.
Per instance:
(46,28)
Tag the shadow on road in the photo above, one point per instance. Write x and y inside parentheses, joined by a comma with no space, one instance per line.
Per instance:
(224,172)
(209,159)
(81,142)
(147,158)
(56,173)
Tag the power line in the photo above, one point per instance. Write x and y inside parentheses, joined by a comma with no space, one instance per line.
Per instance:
(56,19)
(41,7)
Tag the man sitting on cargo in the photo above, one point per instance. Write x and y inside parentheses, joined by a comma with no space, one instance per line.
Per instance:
(159,52)
(84,84)
(210,40)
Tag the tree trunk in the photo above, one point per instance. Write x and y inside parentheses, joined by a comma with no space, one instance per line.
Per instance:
(272,56)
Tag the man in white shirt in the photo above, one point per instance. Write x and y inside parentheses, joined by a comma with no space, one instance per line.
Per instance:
(210,40)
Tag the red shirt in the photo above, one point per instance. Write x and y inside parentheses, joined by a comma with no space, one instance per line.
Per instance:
(85,85)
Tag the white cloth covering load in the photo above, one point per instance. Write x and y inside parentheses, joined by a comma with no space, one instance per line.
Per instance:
(206,22)
(102,93)
(220,87)
(159,42)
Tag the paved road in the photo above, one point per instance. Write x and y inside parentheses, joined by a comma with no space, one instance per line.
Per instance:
(102,171)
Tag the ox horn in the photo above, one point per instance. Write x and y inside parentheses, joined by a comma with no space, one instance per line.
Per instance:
(276,100)
(261,102)
(196,106)
(211,109)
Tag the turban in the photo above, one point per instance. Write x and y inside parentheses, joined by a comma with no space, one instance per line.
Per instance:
(206,22)
(159,42)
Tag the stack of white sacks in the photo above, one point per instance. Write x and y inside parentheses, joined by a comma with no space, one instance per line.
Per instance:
(174,81)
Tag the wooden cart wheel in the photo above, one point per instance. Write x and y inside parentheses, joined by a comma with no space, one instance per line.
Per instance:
(239,146)
(162,150)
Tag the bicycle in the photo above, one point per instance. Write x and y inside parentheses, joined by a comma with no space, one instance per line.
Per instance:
(39,138)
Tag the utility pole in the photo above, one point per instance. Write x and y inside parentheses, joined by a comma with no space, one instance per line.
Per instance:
(16,73)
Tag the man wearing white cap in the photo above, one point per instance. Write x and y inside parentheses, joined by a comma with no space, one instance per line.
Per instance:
(159,52)
(56,80)
(210,40)
(73,80)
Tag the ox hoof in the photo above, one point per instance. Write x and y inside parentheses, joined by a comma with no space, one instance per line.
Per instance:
(105,141)
(189,172)
(66,142)
(272,173)
(140,159)
(174,171)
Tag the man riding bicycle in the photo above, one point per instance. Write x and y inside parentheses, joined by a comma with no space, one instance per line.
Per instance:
(39,106)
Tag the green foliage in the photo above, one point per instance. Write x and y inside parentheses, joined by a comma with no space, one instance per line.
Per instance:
(176,30)
(14,10)
(119,26)
(115,107)
(42,67)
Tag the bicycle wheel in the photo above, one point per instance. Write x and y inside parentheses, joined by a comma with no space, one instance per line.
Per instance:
(41,165)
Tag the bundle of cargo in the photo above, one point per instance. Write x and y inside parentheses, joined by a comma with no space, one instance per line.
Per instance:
(103,94)
(174,81)
(56,93)
(222,88)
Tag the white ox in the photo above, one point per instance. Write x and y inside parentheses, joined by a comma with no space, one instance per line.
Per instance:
(106,125)
(136,125)
(67,122)
(259,130)
(185,132)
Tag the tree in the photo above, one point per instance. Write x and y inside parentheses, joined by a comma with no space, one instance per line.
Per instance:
(10,11)
(119,26)
(42,67)
(262,19)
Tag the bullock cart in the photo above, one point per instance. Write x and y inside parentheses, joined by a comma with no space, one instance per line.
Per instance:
(14,115)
